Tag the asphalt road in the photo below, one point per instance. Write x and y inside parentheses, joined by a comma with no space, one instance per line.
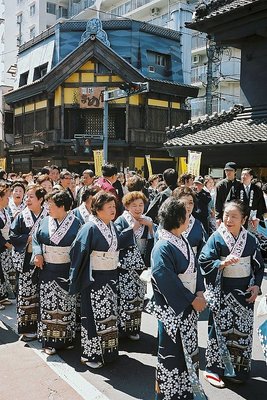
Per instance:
(132,376)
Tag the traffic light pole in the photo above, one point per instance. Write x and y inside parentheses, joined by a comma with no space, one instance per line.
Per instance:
(127,91)
(105,131)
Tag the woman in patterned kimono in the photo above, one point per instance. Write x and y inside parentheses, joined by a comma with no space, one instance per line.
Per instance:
(83,212)
(16,201)
(94,274)
(131,289)
(21,231)
(8,269)
(51,248)
(195,233)
(178,297)
(5,246)
(233,269)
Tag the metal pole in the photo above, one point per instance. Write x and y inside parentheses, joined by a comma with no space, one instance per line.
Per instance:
(210,54)
(105,131)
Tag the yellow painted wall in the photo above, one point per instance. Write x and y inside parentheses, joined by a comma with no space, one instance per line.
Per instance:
(176,105)
(74,78)
(116,78)
(134,100)
(58,96)
(18,111)
(102,78)
(29,107)
(40,104)
(88,76)
(88,65)
(69,95)
(158,103)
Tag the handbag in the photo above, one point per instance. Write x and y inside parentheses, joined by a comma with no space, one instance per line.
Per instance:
(131,258)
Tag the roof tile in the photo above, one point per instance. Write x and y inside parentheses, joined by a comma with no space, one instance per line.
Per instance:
(227,127)
(213,8)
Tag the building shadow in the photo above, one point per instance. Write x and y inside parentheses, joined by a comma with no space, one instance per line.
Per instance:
(6,334)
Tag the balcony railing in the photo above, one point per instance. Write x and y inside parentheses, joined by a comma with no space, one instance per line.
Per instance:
(49,137)
(143,137)
(199,41)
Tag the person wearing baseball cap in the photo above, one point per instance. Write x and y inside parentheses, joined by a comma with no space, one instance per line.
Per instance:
(226,190)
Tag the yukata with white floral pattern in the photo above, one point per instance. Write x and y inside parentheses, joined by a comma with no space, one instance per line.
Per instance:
(28,276)
(98,288)
(177,319)
(131,289)
(229,311)
(57,317)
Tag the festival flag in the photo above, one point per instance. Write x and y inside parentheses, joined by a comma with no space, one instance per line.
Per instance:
(98,161)
(182,168)
(149,166)
(193,165)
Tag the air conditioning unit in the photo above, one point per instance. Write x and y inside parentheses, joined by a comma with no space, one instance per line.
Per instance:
(196,59)
(155,11)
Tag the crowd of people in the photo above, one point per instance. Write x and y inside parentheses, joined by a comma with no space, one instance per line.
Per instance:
(77,253)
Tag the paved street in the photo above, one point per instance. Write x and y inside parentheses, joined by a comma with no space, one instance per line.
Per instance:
(131,377)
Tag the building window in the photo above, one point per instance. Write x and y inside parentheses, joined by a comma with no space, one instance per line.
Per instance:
(161,60)
(102,69)
(23,79)
(32,10)
(32,32)
(19,18)
(62,12)
(40,71)
(51,8)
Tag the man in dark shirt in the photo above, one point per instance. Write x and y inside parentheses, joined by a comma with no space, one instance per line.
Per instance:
(226,190)
(201,209)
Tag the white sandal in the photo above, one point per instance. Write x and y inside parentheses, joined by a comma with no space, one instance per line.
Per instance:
(50,351)
(91,364)
(214,379)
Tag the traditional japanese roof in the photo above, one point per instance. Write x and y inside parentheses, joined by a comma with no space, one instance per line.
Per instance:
(234,126)
(95,49)
(214,8)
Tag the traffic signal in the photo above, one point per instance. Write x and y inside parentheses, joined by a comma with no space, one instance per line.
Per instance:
(134,87)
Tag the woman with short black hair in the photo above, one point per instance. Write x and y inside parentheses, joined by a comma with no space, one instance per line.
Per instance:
(94,274)
(178,297)
(51,255)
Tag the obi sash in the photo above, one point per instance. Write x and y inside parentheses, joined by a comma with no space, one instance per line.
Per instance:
(242,269)
(189,280)
(56,254)
(104,260)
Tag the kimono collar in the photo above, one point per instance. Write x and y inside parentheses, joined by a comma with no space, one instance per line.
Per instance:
(14,208)
(84,212)
(57,233)
(29,221)
(108,232)
(235,247)
(181,244)
(130,219)
(190,226)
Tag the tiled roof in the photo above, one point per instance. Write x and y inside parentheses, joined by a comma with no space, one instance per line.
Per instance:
(213,8)
(225,128)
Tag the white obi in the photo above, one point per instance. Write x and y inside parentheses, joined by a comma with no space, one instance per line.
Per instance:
(5,232)
(104,260)
(56,254)
(242,269)
(141,243)
(189,281)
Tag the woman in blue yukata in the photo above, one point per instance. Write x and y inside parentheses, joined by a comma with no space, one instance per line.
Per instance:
(6,270)
(21,232)
(233,269)
(131,289)
(178,297)
(195,233)
(94,274)
(51,254)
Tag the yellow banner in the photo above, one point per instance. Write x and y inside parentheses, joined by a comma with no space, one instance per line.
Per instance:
(3,163)
(98,160)
(149,166)
(193,165)
(182,166)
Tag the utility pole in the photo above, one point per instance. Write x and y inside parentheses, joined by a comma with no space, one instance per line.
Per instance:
(214,55)
(127,90)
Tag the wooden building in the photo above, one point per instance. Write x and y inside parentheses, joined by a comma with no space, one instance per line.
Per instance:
(240,134)
(59,95)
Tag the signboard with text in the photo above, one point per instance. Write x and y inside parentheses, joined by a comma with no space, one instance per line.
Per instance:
(91,97)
